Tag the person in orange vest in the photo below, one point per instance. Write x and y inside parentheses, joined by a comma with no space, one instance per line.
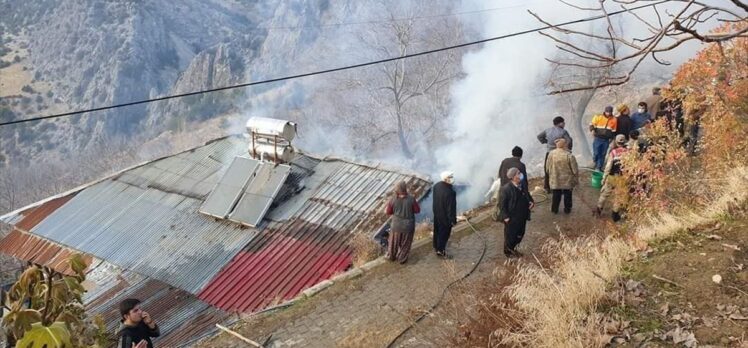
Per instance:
(603,128)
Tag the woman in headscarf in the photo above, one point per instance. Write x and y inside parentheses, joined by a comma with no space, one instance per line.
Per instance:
(403,208)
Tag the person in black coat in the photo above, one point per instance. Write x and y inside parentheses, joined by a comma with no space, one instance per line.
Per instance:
(136,328)
(516,204)
(512,162)
(445,212)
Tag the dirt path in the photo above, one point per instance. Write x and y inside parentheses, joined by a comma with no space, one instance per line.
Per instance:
(370,311)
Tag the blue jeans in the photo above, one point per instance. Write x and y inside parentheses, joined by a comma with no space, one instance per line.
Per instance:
(599,150)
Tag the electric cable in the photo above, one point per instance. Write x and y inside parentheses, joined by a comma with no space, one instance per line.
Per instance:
(327,71)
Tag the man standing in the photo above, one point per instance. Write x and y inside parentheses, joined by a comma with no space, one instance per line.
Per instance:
(516,204)
(549,137)
(613,179)
(513,162)
(654,102)
(445,212)
(137,327)
(624,125)
(641,117)
(564,175)
(603,128)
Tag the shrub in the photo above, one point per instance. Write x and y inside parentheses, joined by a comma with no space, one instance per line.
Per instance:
(364,248)
(27,89)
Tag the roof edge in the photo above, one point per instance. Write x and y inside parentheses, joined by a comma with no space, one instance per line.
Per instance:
(7,216)
(379,165)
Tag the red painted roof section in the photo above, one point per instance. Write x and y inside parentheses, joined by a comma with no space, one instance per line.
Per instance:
(278,267)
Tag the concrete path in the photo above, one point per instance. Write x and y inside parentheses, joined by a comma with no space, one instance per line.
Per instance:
(371,310)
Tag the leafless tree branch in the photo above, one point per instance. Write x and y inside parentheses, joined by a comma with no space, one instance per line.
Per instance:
(690,21)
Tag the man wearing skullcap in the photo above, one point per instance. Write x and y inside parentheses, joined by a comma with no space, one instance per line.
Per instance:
(516,204)
(445,212)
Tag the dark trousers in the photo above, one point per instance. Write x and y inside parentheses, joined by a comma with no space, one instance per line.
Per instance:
(441,236)
(556,200)
(546,182)
(514,231)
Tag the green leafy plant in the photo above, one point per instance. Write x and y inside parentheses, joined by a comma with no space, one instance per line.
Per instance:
(45,309)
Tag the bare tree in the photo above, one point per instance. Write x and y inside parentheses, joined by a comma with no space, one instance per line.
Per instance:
(403,99)
(665,31)
(570,77)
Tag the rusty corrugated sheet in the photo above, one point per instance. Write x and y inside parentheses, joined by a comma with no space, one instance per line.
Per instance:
(180,315)
(31,248)
(291,255)
(35,215)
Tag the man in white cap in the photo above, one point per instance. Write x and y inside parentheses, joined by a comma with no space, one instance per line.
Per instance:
(445,212)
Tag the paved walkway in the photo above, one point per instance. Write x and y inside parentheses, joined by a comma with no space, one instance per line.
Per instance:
(371,310)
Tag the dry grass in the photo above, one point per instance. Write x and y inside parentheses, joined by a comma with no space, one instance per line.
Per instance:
(364,249)
(555,300)
(424,229)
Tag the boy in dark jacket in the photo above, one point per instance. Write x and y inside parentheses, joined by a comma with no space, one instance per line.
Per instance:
(137,327)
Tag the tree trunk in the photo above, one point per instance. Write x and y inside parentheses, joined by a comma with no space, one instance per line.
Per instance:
(579,128)
(401,136)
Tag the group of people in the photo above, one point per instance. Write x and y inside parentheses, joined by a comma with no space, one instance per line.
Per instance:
(615,132)
(614,136)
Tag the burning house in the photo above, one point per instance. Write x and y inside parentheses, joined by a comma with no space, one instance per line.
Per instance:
(237,225)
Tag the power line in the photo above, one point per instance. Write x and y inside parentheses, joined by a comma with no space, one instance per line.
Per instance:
(327,71)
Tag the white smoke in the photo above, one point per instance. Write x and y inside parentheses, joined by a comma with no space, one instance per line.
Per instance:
(500,103)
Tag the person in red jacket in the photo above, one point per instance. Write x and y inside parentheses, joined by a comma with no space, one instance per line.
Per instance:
(403,209)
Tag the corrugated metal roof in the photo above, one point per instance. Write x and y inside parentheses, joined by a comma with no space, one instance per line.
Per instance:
(146,219)
(312,244)
(28,247)
(144,223)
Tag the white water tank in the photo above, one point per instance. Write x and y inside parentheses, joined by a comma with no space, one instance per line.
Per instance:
(271,126)
(270,152)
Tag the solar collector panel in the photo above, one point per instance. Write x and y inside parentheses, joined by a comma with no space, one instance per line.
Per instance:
(259,193)
(229,189)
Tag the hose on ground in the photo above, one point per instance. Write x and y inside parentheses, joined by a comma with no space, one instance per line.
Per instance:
(444,292)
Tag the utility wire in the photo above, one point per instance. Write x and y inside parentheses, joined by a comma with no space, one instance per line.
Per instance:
(327,71)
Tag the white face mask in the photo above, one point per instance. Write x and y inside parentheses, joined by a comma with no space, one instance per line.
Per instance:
(642,110)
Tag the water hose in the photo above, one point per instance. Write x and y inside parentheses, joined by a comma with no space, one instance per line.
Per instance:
(444,292)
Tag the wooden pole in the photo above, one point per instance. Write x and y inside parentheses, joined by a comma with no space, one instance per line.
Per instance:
(235,334)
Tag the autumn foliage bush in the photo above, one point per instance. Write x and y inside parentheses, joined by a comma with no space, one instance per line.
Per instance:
(712,88)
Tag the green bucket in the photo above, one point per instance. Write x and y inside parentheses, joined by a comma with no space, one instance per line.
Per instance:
(597,179)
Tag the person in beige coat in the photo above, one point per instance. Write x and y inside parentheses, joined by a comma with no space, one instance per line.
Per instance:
(563,175)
